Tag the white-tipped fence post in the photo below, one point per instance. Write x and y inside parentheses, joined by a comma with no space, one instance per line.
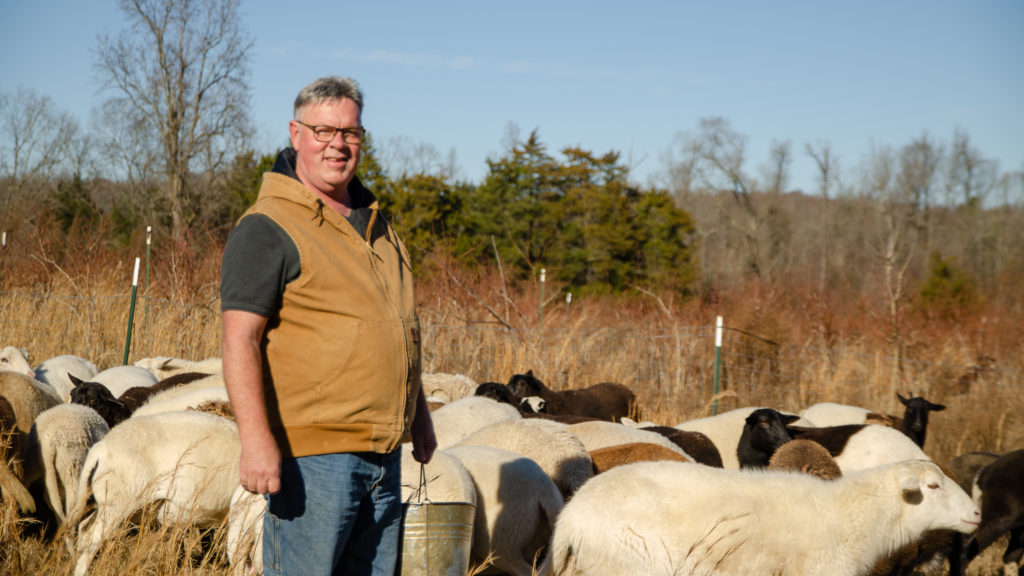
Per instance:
(131,312)
(718,362)
(543,273)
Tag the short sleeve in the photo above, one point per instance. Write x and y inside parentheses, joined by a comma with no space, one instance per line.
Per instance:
(259,260)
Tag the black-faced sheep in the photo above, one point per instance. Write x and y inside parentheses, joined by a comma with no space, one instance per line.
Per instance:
(764,431)
(99,398)
(724,430)
(913,423)
(1000,488)
(669,518)
(605,401)
(915,417)
(609,457)
(118,379)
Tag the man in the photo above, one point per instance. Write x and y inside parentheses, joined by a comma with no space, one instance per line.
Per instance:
(321,350)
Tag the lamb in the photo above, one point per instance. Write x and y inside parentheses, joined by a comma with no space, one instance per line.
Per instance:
(447,387)
(25,400)
(16,360)
(856,447)
(460,418)
(605,459)
(1001,492)
(551,445)
(97,397)
(764,431)
(806,457)
(164,367)
(517,504)
(605,401)
(187,462)
(60,438)
(670,518)
(599,434)
(55,372)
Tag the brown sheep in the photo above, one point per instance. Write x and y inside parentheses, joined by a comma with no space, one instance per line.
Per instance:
(621,454)
(806,456)
(25,399)
(605,401)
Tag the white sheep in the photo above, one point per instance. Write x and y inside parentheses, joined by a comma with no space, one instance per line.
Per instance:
(183,397)
(185,461)
(460,418)
(244,541)
(165,366)
(725,430)
(833,414)
(60,439)
(598,434)
(54,371)
(562,456)
(447,480)
(120,378)
(670,518)
(517,504)
(865,446)
(447,387)
(14,359)
(26,399)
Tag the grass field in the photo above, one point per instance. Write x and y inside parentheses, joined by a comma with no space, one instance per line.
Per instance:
(781,348)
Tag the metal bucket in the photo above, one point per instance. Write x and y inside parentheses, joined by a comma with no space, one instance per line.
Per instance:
(436,538)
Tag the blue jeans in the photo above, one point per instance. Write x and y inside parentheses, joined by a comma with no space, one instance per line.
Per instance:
(335,514)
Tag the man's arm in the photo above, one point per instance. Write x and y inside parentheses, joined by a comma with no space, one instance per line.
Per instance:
(424,442)
(260,466)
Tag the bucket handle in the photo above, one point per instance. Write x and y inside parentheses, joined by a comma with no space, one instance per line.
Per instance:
(421,491)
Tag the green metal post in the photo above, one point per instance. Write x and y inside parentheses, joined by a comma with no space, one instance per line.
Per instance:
(131,312)
(718,362)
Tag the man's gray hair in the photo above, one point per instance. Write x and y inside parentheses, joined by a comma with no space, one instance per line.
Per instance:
(329,88)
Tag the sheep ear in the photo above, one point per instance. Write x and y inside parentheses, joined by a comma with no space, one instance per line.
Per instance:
(75,380)
(902,399)
(911,488)
(789,418)
(936,407)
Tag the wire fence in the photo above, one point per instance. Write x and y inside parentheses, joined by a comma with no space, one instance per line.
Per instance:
(674,368)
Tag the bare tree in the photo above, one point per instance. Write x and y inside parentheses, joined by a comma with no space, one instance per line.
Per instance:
(827,165)
(179,73)
(895,242)
(969,177)
(36,142)
(919,164)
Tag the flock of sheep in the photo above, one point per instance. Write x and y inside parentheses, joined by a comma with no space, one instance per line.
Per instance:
(563,482)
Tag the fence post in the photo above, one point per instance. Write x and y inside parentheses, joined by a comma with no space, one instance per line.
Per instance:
(145,322)
(718,362)
(543,273)
(131,312)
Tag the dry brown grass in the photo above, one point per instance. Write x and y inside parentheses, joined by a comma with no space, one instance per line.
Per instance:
(783,348)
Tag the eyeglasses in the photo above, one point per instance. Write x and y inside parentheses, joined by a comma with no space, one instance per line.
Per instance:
(326,133)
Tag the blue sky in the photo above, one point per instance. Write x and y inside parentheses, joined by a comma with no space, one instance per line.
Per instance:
(624,76)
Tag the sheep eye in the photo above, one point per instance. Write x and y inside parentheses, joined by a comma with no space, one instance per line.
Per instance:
(934,486)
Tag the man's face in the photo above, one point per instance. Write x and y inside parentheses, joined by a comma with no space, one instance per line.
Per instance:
(326,166)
